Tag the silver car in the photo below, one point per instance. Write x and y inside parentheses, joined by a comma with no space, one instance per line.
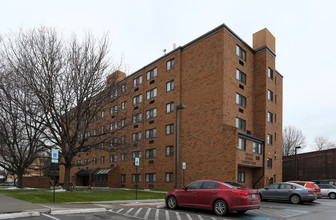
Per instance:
(328,190)
(292,192)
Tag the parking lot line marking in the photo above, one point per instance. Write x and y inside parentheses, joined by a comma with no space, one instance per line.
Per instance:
(52,217)
(200,217)
(295,210)
(189,217)
(157,214)
(167,215)
(137,212)
(178,216)
(147,213)
(129,211)
(119,210)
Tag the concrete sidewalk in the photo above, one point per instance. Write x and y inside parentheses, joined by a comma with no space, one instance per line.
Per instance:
(14,208)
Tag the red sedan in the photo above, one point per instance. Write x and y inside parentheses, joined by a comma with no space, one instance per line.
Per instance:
(220,196)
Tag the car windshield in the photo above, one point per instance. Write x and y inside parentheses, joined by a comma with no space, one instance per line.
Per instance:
(234,185)
(315,185)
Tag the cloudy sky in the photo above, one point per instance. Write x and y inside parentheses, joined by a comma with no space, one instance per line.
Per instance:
(139,31)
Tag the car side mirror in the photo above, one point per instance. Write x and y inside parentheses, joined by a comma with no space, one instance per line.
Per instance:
(185,187)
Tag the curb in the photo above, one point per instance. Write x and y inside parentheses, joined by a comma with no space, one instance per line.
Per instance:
(119,202)
(76,211)
(19,215)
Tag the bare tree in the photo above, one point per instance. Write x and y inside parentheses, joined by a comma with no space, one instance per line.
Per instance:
(67,79)
(323,143)
(292,137)
(20,132)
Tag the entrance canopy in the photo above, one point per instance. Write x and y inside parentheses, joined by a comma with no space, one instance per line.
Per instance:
(84,172)
(102,171)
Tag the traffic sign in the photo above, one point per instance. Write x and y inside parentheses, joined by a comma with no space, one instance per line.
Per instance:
(54,156)
(184,165)
(137,161)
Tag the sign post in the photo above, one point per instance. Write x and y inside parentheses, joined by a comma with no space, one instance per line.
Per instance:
(54,159)
(184,166)
(137,163)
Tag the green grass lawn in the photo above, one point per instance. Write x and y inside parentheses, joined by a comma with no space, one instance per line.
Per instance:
(79,195)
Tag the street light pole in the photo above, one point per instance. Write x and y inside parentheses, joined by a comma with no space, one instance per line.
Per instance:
(298,147)
(179,107)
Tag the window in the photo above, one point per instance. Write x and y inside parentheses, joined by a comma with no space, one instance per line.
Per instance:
(123,88)
(94,160)
(114,126)
(151,153)
(240,52)
(170,86)
(79,163)
(123,178)
(170,107)
(170,129)
(241,100)
(137,99)
(169,151)
(270,95)
(113,142)
(113,158)
(151,93)
(86,161)
(95,132)
(269,163)
(256,148)
(114,110)
(114,93)
(137,81)
(240,76)
(103,114)
(150,177)
(123,122)
(123,105)
(270,73)
(241,124)
(269,139)
(241,177)
(102,160)
(151,113)
(136,136)
(136,154)
(103,130)
(123,157)
(136,118)
(136,178)
(95,118)
(152,73)
(170,64)
(270,117)
(123,139)
(102,145)
(195,185)
(169,177)
(242,144)
(151,133)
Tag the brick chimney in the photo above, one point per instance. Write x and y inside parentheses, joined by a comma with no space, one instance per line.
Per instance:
(264,38)
(115,77)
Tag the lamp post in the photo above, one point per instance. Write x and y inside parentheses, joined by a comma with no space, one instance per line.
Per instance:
(179,107)
(298,147)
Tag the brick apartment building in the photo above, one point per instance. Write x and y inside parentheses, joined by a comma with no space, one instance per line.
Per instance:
(231,127)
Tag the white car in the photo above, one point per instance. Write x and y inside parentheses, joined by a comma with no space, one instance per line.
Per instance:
(328,190)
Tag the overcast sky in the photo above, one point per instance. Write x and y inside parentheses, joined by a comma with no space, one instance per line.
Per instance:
(139,30)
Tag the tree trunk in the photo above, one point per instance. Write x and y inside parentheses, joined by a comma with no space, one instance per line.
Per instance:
(67,176)
(19,180)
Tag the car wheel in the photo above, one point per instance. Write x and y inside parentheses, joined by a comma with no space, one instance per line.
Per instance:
(332,195)
(261,198)
(295,199)
(220,207)
(171,202)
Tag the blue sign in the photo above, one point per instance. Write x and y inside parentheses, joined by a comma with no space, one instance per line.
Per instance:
(54,156)
(137,161)
(184,165)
